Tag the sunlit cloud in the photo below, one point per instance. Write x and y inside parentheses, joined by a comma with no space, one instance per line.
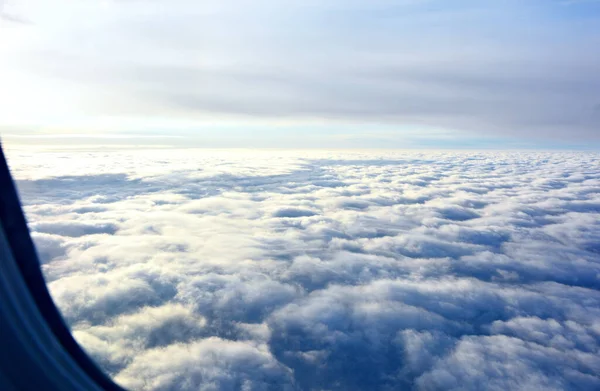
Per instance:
(203,269)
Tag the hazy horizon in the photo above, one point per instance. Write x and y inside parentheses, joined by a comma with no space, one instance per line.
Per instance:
(401,74)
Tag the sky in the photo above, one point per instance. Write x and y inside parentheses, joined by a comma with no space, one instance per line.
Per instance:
(327,73)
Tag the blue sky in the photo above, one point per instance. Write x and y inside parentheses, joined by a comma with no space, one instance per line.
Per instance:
(349,74)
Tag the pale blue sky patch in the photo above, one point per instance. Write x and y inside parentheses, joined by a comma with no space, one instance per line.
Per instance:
(242,73)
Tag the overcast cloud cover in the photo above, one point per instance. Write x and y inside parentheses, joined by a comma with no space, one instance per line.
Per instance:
(298,270)
(522,69)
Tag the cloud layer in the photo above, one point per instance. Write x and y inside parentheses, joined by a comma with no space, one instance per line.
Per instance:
(220,270)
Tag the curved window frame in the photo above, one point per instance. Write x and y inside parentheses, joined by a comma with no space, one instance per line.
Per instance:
(38,349)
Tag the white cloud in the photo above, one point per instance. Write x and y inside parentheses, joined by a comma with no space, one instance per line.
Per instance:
(183,269)
(210,364)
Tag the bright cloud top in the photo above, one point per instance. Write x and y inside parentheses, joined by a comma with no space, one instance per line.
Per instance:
(215,270)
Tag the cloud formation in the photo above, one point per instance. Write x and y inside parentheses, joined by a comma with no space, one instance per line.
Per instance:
(269,270)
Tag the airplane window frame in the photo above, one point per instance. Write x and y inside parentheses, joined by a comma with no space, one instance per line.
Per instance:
(39,351)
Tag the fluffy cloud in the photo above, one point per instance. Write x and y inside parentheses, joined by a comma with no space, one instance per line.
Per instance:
(196,269)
